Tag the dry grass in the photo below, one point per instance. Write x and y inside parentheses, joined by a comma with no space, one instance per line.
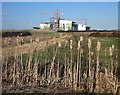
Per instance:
(60,69)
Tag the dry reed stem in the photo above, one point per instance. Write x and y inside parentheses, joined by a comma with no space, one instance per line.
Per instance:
(79,64)
(111,61)
(81,38)
(17,69)
(66,65)
(58,67)
(21,63)
(6,67)
(65,71)
(36,69)
(28,80)
(52,65)
(97,67)
(72,73)
(77,68)
(74,78)
(89,63)
(14,68)
(71,65)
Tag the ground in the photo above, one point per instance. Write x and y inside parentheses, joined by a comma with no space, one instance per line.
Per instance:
(47,41)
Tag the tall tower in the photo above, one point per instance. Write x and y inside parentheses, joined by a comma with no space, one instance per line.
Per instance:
(56,18)
(57,21)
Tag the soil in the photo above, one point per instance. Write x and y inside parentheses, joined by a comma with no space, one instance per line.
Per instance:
(104,34)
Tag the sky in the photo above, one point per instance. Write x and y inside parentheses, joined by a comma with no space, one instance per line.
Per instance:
(25,15)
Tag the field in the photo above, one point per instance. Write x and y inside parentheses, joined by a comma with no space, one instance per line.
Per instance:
(48,62)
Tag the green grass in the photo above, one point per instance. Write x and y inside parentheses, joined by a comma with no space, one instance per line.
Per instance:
(46,54)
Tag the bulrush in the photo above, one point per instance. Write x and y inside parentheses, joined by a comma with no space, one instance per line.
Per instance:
(71,69)
(81,38)
(113,47)
(14,68)
(89,63)
(80,60)
(97,66)
(105,63)
(66,66)
(62,64)
(98,46)
(78,46)
(71,42)
(111,60)
(66,41)
(89,43)
(78,72)
(110,50)
(59,44)
(9,39)
(92,54)
(5,42)
(31,40)
(37,40)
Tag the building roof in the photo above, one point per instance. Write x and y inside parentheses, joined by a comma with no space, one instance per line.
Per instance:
(47,22)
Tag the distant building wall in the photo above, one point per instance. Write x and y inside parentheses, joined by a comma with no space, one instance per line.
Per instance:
(44,26)
(65,25)
(81,27)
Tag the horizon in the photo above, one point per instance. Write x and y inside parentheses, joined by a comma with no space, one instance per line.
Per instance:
(25,15)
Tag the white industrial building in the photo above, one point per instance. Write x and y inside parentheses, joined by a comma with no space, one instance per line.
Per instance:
(65,25)
(82,27)
(45,25)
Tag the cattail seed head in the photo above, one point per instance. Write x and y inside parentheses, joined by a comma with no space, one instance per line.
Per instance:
(9,41)
(98,46)
(113,47)
(59,44)
(78,48)
(54,42)
(38,39)
(21,34)
(29,45)
(31,40)
(5,41)
(89,43)
(5,38)
(66,43)
(116,56)
(71,42)
(81,38)
(92,53)
(17,37)
(110,50)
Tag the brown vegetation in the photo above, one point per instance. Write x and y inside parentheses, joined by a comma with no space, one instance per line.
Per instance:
(61,72)
(104,34)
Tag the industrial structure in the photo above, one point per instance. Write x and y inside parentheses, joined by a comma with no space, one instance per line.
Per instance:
(64,25)
(58,24)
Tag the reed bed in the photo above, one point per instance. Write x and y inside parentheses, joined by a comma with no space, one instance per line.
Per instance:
(64,65)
